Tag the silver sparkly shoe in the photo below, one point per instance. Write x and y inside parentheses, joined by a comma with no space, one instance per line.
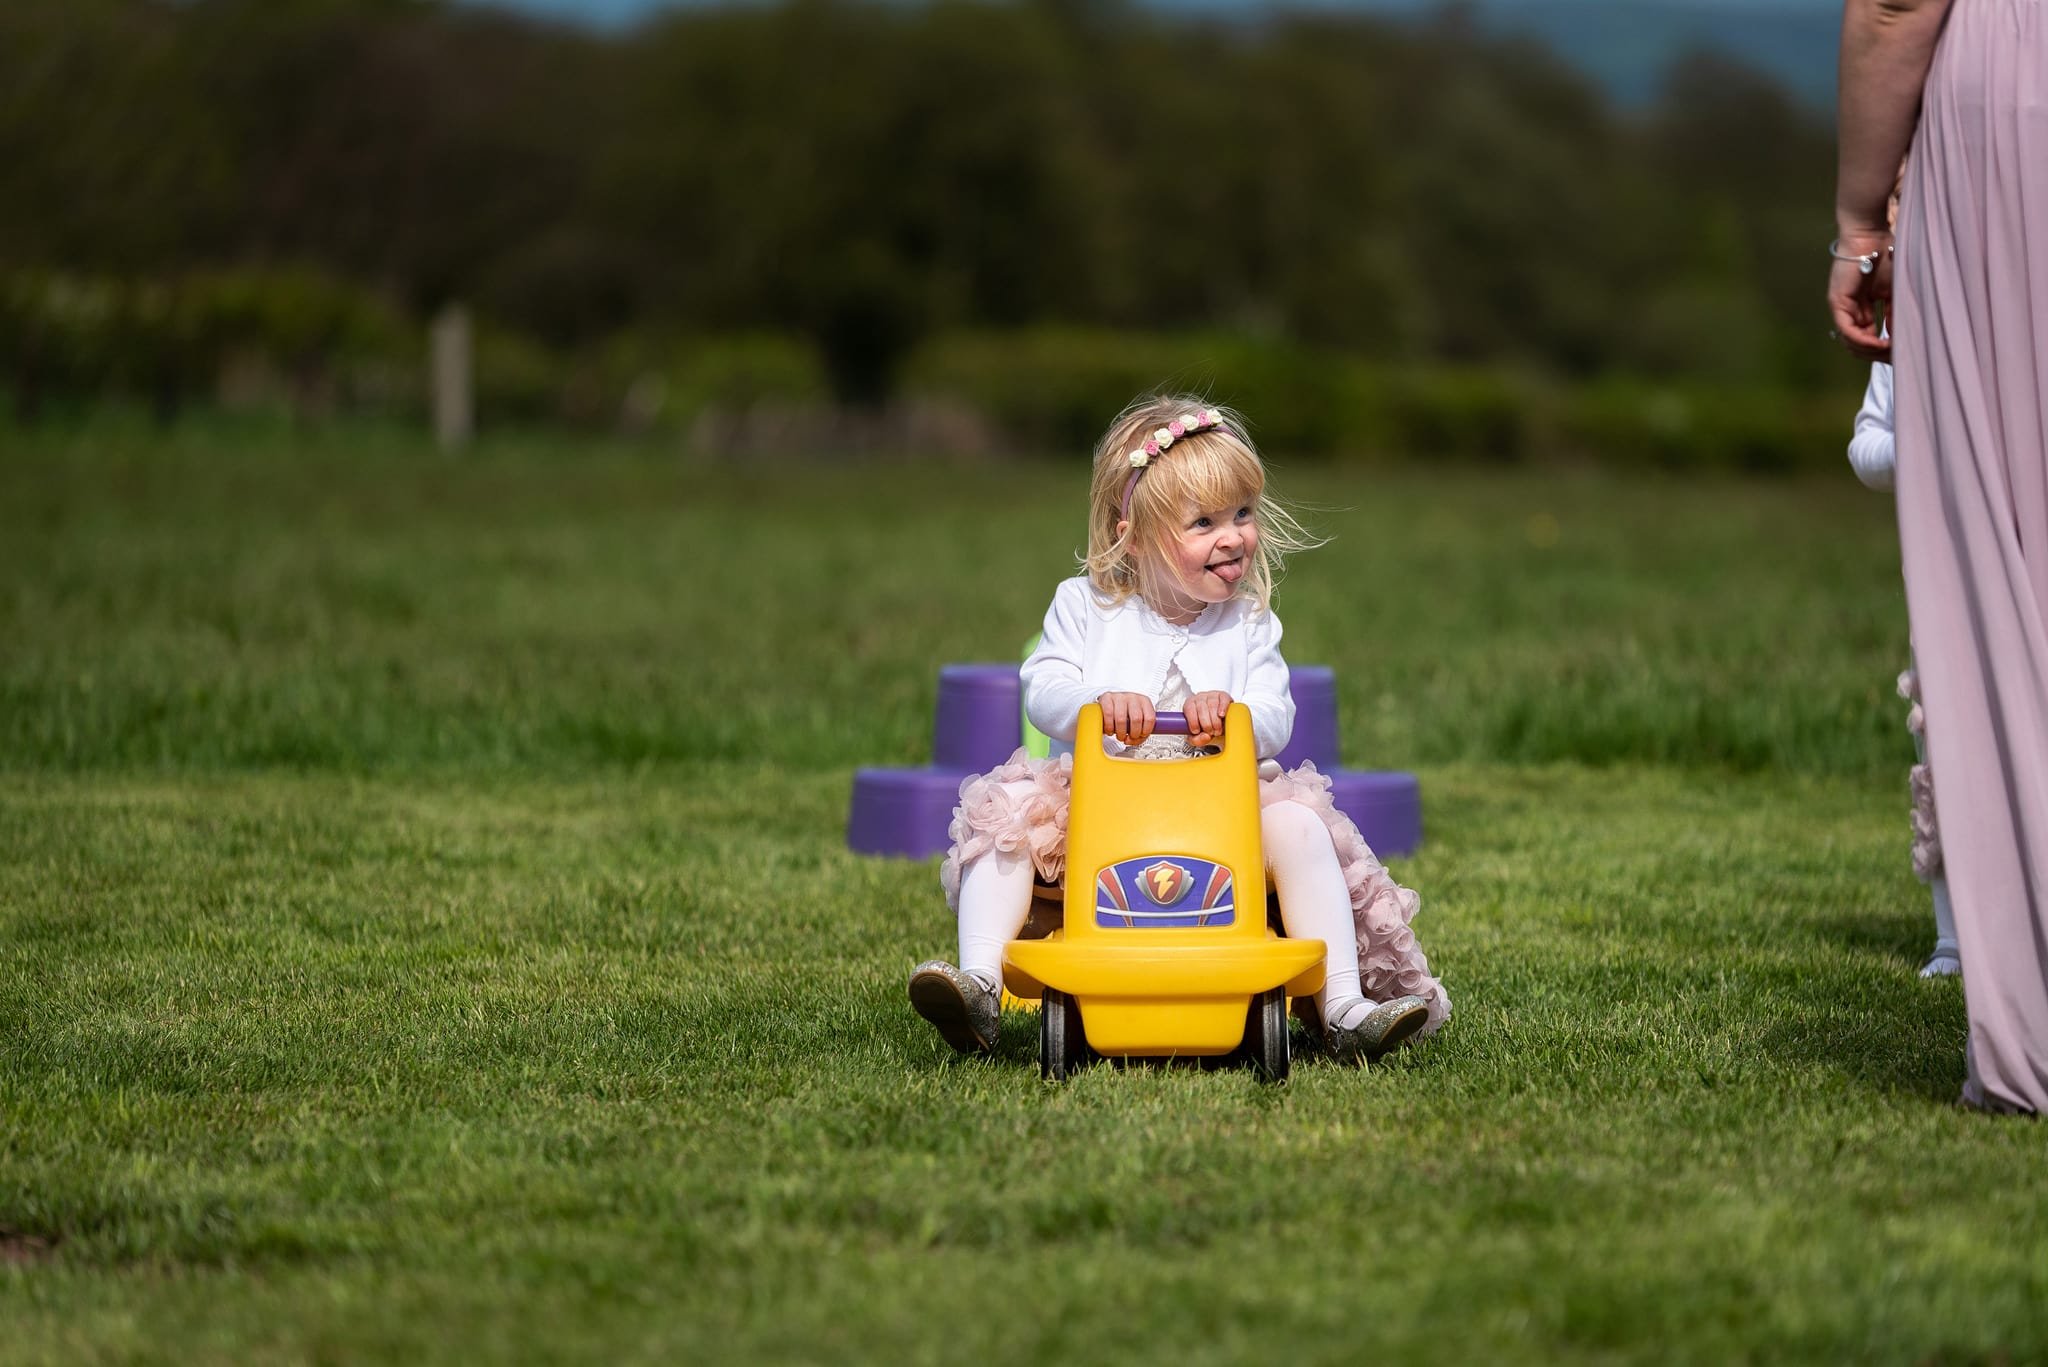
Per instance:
(967,1014)
(1385,1028)
(1942,963)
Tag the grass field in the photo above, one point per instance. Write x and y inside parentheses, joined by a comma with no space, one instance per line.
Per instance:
(426,933)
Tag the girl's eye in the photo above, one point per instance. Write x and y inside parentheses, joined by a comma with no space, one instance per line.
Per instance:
(1200,522)
(1244,513)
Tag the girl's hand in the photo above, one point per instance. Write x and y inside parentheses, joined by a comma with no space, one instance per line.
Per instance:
(1127,716)
(1205,713)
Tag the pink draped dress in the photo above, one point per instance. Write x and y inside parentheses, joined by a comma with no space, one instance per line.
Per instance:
(1970,330)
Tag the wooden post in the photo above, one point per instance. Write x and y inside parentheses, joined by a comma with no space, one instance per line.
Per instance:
(453,379)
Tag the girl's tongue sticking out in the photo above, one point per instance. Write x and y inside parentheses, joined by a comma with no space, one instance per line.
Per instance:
(1229,571)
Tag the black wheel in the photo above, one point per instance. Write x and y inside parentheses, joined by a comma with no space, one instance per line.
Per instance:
(1062,1043)
(1265,1035)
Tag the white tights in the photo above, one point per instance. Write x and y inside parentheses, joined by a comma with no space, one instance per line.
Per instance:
(995,899)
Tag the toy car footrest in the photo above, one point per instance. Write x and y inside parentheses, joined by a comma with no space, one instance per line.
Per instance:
(1170,970)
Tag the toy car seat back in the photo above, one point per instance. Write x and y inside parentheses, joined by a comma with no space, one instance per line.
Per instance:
(1164,942)
(1160,847)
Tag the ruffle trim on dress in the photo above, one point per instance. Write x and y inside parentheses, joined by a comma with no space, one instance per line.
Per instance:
(991,816)
(1390,960)
(1926,834)
(1920,783)
(994,815)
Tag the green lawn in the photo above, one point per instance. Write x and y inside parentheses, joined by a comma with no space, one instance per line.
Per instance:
(428,934)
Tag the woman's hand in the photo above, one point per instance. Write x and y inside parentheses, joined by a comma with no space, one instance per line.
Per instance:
(1127,716)
(1205,713)
(1858,302)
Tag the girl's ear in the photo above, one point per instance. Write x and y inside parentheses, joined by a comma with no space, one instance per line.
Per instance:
(1123,524)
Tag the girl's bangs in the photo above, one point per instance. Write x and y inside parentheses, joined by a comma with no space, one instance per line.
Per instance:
(1213,472)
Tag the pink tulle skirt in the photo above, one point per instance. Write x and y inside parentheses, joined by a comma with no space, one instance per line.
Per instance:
(1920,783)
(1021,807)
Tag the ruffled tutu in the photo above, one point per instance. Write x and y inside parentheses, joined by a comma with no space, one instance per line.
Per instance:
(1920,783)
(1020,806)
(995,815)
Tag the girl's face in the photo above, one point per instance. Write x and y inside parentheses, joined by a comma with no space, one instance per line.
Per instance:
(1210,556)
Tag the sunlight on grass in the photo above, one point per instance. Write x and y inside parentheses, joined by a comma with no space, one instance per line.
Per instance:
(430,935)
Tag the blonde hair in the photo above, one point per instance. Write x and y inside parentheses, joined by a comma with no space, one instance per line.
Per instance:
(1210,469)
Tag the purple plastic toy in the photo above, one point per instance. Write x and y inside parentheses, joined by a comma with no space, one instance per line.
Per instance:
(1315,720)
(978,724)
(903,811)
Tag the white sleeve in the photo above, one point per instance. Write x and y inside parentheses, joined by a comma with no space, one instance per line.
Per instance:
(1051,676)
(1265,690)
(1872,450)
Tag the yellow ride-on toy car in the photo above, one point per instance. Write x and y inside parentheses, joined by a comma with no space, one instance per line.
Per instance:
(1164,948)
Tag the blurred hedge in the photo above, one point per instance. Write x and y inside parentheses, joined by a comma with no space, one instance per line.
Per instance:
(67,339)
(302,341)
(1054,389)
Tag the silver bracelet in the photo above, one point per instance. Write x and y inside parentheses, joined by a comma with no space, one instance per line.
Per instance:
(1866,263)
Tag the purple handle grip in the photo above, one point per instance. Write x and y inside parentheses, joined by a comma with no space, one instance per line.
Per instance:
(1170,724)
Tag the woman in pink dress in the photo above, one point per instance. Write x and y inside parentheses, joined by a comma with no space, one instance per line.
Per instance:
(1964,83)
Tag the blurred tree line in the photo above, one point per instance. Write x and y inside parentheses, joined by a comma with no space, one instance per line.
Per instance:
(868,176)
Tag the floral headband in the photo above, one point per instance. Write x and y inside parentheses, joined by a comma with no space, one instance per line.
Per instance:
(1155,446)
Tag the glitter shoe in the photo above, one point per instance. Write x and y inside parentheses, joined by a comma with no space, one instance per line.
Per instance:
(1941,964)
(1385,1028)
(966,1013)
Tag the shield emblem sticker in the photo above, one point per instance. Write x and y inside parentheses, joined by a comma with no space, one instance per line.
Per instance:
(1165,882)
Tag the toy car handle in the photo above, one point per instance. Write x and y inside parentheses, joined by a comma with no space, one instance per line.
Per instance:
(1170,724)
(1167,723)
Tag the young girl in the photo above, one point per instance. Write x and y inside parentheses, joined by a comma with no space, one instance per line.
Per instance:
(1873,456)
(1173,614)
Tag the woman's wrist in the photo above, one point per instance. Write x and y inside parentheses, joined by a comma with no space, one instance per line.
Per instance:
(1867,254)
